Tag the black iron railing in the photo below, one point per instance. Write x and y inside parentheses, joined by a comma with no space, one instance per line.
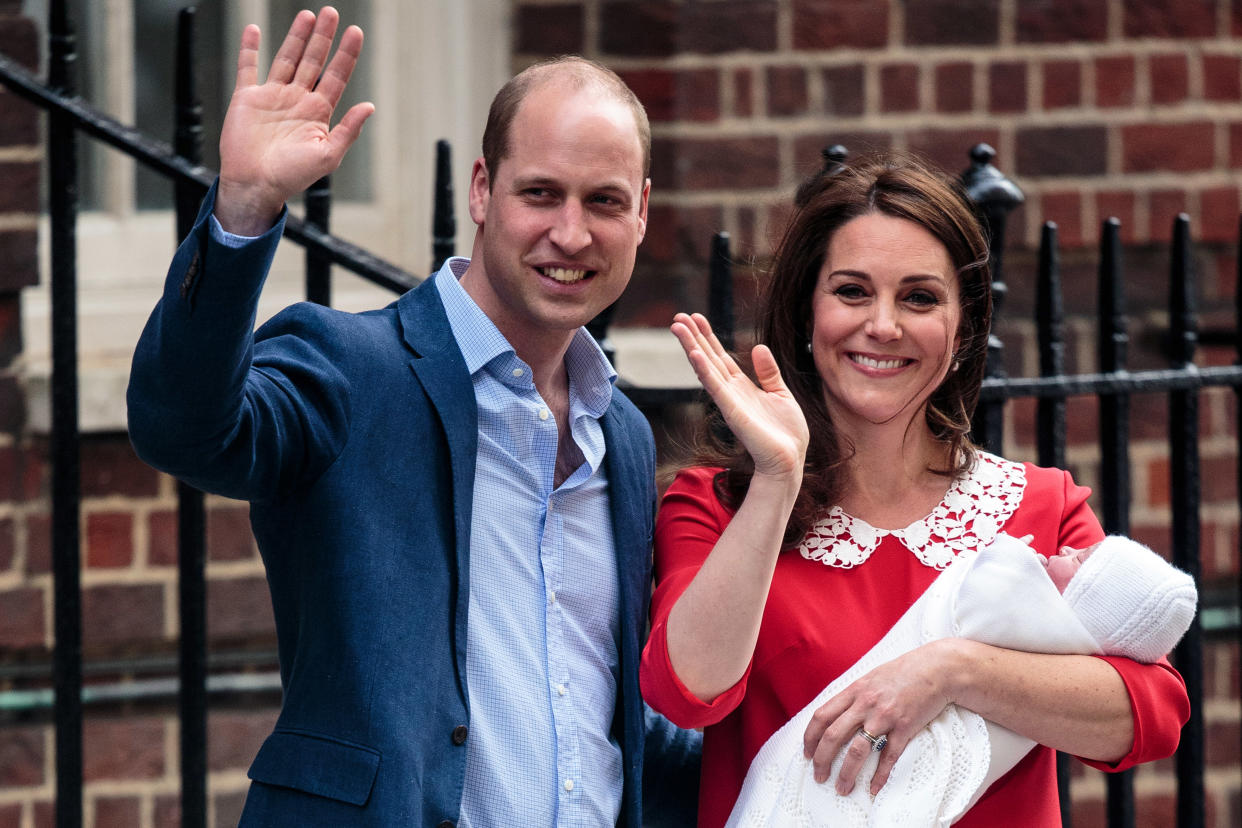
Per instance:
(995,195)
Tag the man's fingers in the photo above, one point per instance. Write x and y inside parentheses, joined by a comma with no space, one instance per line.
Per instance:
(331,83)
(248,57)
(285,63)
(315,55)
(347,131)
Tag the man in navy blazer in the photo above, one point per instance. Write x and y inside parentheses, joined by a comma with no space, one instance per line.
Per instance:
(453,504)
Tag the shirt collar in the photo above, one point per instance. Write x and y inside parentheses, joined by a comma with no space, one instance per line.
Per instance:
(591,376)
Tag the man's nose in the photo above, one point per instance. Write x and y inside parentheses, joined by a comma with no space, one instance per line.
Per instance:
(569,230)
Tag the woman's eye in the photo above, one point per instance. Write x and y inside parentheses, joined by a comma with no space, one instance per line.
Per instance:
(923,298)
(850,292)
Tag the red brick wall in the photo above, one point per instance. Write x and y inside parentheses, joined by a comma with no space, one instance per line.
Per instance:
(1096,108)
(129,562)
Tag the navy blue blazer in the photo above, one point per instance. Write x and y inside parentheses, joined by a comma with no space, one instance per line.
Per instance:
(353,437)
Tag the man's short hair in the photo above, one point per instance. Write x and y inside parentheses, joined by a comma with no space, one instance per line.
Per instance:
(579,73)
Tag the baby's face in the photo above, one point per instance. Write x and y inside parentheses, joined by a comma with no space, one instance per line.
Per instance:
(1062,566)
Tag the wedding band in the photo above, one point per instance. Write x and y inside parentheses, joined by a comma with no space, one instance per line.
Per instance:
(878,743)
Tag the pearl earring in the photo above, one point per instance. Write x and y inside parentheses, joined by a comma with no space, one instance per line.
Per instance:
(809,349)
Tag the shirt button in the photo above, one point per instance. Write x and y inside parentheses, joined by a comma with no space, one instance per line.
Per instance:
(551,596)
(561,689)
(543,413)
(459,734)
(517,372)
(569,784)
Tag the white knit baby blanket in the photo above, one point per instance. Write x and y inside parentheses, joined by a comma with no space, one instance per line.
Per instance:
(1000,596)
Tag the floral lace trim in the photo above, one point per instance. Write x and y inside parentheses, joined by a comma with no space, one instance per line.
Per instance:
(970,516)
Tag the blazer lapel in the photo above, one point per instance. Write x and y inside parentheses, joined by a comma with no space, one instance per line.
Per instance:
(438,366)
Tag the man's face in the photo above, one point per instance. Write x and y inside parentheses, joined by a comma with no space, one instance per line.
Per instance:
(560,220)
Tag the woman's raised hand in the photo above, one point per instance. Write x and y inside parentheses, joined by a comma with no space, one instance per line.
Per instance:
(276,140)
(765,417)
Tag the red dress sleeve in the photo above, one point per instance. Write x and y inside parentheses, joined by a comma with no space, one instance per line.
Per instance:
(1158,701)
(690,521)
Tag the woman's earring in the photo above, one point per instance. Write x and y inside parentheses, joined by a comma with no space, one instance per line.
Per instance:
(809,349)
(957,363)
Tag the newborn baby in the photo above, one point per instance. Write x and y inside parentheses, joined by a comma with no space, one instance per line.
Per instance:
(1116,597)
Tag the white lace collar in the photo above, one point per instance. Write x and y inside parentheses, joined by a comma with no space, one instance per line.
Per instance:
(970,516)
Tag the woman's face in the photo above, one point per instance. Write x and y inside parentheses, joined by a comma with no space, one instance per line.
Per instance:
(885,316)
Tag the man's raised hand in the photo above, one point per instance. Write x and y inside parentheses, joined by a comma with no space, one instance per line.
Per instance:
(277,139)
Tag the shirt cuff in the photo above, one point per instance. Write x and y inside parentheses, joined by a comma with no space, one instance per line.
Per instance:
(233,240)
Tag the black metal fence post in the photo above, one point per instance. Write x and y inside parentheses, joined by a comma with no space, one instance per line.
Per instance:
(191,511)
(1185,494)
(995,196)
(66,449)
(1112,344)
(318,200)
(720,291)
(443,222)
(1237,393)
(1050,411)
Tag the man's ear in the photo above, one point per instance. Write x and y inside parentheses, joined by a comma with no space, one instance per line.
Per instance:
(642,210)
(480,191)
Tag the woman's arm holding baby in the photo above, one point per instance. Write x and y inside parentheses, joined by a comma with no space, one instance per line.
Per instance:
(1078,704)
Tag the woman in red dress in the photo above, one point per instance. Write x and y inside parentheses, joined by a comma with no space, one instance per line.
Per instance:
(783,557)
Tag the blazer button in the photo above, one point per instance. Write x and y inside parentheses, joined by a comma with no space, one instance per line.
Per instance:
(459,734)
(445,823)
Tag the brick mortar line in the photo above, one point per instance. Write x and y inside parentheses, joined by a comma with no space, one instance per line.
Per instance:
(1089,187)
(21,153)
(19,221)
(168,783)
(95,576)
(234,570)
(733,126)
(901,53)
(1218,710)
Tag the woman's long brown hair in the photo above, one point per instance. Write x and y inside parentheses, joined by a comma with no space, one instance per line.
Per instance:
(896,186)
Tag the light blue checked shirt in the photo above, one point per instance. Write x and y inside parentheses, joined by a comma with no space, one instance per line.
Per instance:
(541,662)
(541,652)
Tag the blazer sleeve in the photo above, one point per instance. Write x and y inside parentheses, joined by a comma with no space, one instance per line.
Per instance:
(212,404)
(671,765)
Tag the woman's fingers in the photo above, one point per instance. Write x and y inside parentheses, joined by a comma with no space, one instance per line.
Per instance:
(888,757)
(766,370)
